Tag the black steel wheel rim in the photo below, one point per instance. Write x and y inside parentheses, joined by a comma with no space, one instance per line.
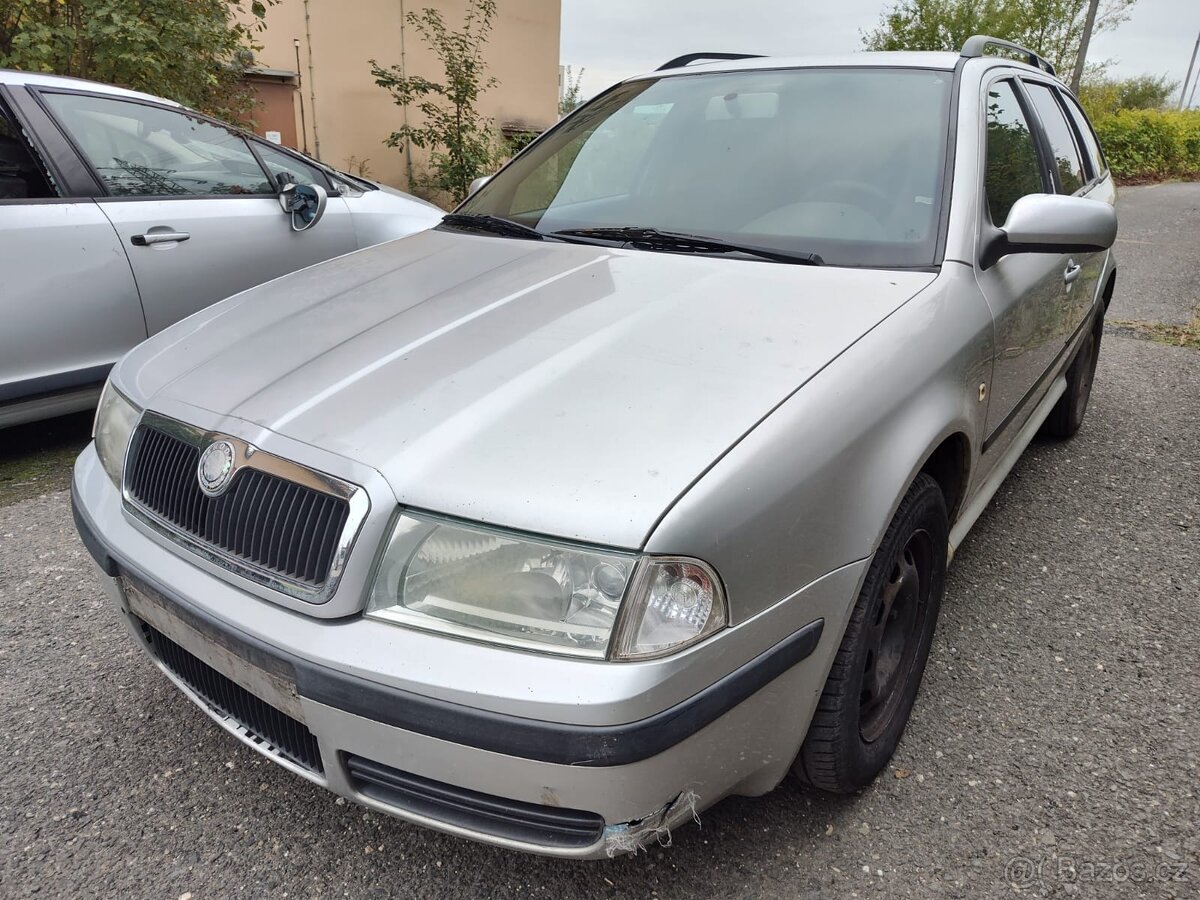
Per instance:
(895,629)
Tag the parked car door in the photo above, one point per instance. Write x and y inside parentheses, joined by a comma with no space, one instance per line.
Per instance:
(1026,291)
(68,302)
(1072,177)
(194,208)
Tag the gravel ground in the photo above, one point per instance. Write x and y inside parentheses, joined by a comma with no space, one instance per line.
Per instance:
(1053,750)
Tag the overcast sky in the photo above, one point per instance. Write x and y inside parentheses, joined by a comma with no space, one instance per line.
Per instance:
(613,39)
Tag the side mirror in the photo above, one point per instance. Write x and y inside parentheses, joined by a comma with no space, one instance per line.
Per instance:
(1048,223)
(478,183)
(305,203)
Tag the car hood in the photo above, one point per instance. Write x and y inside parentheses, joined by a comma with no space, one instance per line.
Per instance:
(568,390)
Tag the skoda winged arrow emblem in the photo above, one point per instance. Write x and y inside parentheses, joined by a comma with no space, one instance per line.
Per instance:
(216,468)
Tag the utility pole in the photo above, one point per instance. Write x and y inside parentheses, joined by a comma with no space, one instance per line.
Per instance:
(1088,24)
(1188,76)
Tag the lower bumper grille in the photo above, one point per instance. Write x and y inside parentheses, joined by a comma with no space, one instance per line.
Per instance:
(264,723)
(549,826)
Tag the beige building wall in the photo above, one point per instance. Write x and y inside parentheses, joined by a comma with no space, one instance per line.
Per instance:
(347,116)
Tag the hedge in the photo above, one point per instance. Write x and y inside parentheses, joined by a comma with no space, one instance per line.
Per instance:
(1145,144)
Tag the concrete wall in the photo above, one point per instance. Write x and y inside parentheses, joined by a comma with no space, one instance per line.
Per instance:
(347,116)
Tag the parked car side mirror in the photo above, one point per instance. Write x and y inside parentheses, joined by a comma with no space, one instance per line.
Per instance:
(1049,223)
(478,183)
(305,203)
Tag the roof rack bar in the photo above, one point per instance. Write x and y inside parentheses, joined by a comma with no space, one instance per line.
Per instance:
(977,43)
(688,58)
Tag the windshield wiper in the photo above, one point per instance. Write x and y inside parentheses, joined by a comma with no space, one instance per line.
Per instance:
(689,243)
(492,225)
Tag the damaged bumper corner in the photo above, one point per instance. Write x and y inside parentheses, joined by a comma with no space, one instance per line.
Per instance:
(630,837)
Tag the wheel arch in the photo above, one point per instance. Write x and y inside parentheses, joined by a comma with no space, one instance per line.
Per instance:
(949,464)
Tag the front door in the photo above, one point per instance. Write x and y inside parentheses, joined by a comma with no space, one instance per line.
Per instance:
(1026,292)
(193,207)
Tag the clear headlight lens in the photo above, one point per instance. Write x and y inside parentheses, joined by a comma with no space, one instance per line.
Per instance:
(505,588)
(116,418)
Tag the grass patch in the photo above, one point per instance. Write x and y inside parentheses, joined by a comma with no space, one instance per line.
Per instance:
(37,458)
(1162,332)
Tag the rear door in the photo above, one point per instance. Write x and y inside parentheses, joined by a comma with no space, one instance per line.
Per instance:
(1025,291)
(68,302)
(194,209)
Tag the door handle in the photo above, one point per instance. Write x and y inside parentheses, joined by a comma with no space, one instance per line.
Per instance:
(1072,271)
(158,237)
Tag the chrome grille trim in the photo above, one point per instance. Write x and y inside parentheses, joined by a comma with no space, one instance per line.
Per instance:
(249,461)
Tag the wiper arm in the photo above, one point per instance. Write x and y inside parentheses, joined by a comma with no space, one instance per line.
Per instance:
(492,225)
(690,243)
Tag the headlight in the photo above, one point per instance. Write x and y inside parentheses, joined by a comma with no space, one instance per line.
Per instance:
(542,595)
(116,418)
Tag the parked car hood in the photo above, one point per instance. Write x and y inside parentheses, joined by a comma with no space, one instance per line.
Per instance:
(563,389)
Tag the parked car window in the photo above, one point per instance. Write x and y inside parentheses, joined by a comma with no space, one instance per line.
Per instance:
(1013,167)
(1067,161)
(1084,128)
(21,174)
(143,150)
(297,170)
(846,163)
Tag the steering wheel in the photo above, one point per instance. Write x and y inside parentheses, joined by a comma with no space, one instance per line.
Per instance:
(866,197)
(138,158)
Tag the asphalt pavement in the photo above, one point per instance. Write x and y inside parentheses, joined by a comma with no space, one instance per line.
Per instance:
(1054,749)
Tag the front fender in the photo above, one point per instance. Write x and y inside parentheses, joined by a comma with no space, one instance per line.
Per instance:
(814,486)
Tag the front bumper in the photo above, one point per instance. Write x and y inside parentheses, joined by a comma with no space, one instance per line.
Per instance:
(563,788)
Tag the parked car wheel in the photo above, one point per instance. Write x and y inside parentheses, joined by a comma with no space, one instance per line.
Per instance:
(1066,417)
(875,676)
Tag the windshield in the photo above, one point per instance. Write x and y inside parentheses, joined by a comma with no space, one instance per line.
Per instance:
(844,163)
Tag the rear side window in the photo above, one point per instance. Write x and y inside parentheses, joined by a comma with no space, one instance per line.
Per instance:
(1013,168)
(1067,161)
(21,174)
(1084,128)
(141,150)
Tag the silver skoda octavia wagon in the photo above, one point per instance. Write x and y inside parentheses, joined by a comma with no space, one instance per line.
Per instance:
(632,485)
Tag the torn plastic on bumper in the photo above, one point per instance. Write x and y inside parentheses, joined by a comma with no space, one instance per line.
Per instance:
(631,837)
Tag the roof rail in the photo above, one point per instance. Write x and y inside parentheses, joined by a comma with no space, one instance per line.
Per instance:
(976,44)
(688,58)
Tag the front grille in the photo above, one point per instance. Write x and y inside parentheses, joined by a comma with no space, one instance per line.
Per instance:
(530,823)
(263,722)
(286,528)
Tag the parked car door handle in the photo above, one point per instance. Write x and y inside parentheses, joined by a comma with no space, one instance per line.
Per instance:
(158,237)
(1072,271)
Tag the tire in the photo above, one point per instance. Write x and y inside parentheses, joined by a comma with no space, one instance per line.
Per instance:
(875,676)
(1066,417)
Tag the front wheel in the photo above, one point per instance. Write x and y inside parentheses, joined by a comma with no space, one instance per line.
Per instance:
(875,676)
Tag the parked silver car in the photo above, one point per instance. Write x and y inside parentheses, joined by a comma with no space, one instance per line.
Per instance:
(633,484)
(122,213)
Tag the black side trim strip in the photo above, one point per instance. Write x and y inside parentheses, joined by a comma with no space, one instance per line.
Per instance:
(552,742)
(90,540)
(575,745)
(43,385)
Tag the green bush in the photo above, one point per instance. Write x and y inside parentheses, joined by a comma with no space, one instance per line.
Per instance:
(1151,143)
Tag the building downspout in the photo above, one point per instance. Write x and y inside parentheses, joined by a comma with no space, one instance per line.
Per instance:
(408,169)
(312,94)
